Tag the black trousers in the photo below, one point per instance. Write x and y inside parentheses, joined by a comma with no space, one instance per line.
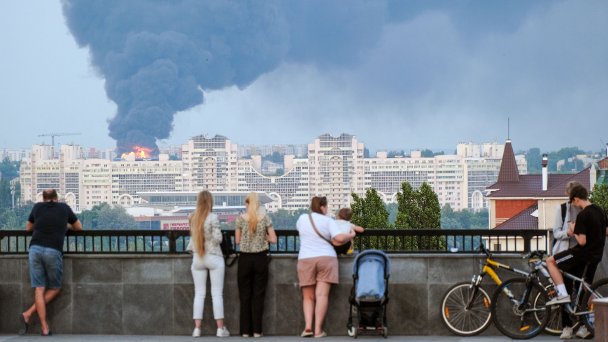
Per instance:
(252,278)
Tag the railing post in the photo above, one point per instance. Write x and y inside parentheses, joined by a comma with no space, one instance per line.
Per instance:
(172,242)
(527,242)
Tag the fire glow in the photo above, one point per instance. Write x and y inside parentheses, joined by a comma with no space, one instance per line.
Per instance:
(139,152)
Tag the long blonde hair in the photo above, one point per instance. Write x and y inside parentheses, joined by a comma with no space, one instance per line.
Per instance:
(253,204)
(204,205)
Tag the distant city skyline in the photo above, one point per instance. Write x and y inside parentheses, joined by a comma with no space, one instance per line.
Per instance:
(603,149)
(397,74)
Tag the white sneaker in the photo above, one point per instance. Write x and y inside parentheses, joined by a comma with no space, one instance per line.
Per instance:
(559,300)
(567,333)
(196,332)
(222,332)
(583,332)
(256,335)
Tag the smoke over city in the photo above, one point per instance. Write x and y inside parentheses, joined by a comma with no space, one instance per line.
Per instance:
(158,57)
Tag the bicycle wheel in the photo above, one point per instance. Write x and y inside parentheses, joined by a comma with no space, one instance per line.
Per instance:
(518,317)
(456,316)
(554,325)
(600,287)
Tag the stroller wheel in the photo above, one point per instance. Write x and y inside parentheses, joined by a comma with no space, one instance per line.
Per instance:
(351,331)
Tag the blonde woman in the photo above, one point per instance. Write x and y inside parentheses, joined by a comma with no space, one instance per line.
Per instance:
(253,233)
(205,239)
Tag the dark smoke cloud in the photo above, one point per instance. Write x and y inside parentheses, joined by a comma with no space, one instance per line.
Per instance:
(158,57)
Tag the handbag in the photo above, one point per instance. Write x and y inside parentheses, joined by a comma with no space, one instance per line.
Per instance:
(228,250)
(341,249)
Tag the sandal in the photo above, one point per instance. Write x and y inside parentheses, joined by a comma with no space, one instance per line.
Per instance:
(25,326)
(307,333)
(322,334)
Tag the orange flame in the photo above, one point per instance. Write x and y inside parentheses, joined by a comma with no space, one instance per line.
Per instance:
(139,152)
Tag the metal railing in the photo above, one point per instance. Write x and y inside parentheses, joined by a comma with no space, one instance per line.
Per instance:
(389,240)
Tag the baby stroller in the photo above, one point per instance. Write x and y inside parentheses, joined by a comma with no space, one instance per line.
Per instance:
(369,294)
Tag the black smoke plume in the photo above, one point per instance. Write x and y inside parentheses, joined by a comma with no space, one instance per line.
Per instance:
(158,56)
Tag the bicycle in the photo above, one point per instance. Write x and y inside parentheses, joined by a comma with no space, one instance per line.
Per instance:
(466,306)
(518,305)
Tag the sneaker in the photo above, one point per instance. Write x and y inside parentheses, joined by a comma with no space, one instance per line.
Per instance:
(255,335)
(222,332)
(567,333)
(559,300)
(245,335)
(583,332)
(196,332)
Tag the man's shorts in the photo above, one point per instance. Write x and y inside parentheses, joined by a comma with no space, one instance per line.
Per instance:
(46,267)
(318,269)
(574,263)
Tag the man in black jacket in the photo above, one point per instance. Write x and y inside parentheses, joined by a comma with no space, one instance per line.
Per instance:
(49,222)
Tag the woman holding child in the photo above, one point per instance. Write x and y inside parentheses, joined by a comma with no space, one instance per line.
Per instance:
(253,233)
(318,263)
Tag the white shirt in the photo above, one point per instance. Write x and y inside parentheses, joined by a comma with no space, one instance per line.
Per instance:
(311,244)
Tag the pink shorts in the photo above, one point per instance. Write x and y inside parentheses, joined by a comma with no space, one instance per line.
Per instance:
(318,269)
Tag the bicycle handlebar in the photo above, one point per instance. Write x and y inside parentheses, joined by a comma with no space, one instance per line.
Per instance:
(535,254)
(483,249)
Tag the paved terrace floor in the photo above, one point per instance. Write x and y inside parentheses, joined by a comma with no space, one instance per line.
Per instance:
(121,338)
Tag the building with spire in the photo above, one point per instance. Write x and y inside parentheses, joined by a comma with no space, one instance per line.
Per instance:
(518,201)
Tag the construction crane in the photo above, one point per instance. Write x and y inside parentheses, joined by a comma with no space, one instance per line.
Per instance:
(53,135)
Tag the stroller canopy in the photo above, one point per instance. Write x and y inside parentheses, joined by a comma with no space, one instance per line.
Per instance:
(371,270)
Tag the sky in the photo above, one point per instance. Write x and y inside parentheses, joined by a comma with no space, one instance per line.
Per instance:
(399,75)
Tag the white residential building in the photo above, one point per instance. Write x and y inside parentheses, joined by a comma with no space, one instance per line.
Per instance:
(335,167)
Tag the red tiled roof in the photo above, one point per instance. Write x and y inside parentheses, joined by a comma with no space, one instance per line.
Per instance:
(508,166)
(530,186)
(523,220)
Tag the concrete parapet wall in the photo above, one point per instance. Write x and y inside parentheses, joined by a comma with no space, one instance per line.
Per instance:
(152,295)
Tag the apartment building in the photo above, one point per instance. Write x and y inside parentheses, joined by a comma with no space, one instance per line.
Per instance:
(334,167)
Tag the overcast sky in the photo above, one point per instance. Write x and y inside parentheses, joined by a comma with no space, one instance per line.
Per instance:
(398,75)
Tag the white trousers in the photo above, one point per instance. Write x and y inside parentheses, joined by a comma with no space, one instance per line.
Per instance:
(214,264)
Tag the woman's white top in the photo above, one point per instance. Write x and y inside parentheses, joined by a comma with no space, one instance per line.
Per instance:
(213,236)
(311,244)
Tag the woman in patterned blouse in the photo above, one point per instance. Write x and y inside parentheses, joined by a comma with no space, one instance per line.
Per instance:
(205,239)
(253,233)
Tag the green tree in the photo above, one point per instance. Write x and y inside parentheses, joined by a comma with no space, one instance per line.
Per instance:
(15,218)
(533,158)
(286,219)
(463,219)
(426,153)
(406,207)
(419,209)
(428,208)
(369,211)
(599,196)
(9,169)
(105,216)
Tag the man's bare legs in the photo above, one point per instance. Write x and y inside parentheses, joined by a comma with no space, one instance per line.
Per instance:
(556,275)
(42,296)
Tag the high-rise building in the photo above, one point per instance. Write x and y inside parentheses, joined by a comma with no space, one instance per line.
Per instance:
(335,167)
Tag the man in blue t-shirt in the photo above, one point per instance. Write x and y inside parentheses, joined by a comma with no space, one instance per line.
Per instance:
(49,222)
